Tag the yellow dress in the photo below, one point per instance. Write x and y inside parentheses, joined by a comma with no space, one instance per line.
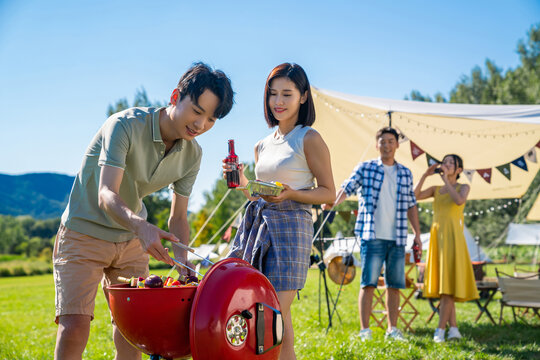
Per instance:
(449,269)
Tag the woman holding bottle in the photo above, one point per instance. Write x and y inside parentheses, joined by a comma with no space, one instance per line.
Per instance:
(276,233)
(449,273)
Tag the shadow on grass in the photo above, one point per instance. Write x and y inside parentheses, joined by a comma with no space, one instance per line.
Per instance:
(502,340)
(511,341)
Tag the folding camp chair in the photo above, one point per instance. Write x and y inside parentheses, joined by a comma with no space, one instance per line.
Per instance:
(519,292)
(525,273)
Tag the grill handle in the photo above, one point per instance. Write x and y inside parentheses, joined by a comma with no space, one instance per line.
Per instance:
(277,328)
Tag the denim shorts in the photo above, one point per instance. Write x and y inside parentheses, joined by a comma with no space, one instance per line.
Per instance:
(376,252)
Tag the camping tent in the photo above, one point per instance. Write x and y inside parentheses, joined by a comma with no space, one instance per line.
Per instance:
(534,213)
(497,142)
(523,234)
(340,246)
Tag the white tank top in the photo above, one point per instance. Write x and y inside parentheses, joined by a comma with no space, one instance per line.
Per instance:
(282,158)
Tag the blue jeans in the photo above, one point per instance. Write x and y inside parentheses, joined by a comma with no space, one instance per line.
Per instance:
(376,252)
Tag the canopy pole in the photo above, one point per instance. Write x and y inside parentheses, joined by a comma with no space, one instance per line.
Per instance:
(389,113)
(210,217)
(230,220)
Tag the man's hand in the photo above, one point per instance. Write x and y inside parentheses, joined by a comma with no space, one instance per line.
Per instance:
(150,237)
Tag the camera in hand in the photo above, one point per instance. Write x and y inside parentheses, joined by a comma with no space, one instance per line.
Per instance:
(437,170)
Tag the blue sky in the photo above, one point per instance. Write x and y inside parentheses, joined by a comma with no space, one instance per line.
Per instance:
(63,62)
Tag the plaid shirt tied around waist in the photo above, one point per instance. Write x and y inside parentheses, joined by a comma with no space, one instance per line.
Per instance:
(276,239)
(366,180)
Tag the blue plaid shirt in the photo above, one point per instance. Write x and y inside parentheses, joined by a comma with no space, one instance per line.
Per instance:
(366,180)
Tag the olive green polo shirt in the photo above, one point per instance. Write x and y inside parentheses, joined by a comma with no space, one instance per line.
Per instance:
(130,140)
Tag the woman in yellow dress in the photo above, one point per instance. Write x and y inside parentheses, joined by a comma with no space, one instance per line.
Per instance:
(449,273)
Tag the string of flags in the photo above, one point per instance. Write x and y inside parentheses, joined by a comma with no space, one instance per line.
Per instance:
(384,116)
(486,173)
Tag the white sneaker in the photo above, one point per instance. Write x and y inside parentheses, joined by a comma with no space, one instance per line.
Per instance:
(365,334)
(453,334)
(395,334)
(438,337)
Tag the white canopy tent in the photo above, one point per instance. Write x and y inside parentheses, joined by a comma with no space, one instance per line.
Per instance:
(498,143)
(523,234)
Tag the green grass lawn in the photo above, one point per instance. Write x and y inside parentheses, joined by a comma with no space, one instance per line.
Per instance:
(27,329)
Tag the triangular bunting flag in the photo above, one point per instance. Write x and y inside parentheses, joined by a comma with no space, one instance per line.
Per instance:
(346,215)
(485,174)
(431,160)
(520,163)
(469,174)
(505,170)
(355,212)
(415,151)
(531,155)
(538,144)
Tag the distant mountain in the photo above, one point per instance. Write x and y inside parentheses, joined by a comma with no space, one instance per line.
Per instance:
(40,195)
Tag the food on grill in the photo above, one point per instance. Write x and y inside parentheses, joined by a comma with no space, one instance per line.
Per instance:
(153,281)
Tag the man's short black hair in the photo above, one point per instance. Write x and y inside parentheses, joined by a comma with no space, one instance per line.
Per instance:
(201,77)
(387,130)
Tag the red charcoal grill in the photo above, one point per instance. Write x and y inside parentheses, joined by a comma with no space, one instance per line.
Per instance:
(232,314)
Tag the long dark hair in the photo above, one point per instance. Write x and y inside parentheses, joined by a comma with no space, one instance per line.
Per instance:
(295,73)
(458,161)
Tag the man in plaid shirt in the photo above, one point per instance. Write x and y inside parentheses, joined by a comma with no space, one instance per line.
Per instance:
(385,201)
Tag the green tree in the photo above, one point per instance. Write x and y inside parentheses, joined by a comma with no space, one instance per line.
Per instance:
(140,99)
(11,234)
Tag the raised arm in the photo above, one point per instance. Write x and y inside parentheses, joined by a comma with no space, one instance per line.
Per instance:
(429,192)
(458,197)
(110,201)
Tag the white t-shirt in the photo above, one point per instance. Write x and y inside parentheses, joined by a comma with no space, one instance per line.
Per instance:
(385,213)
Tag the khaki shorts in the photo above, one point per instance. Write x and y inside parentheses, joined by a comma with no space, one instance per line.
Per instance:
(81,262)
